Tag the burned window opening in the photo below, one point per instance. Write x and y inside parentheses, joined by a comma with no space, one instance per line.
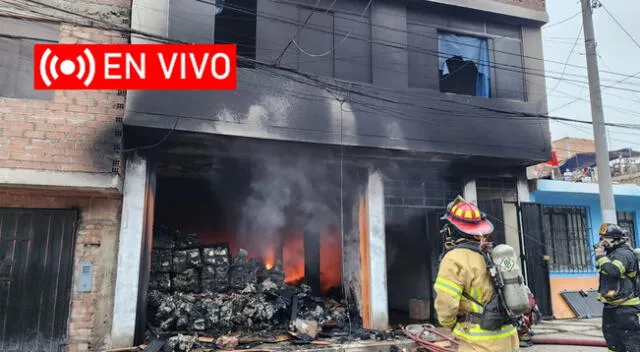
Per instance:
(464,65)
(236,23)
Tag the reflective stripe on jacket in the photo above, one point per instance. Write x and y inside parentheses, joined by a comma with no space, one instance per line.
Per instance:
(463,270)
(618,270)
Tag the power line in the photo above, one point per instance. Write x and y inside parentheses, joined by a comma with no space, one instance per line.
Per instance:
(511,68)
(326,85)
(277,61)
(621,26)
(366,9)
(563,21)
(564,67)
(329,30)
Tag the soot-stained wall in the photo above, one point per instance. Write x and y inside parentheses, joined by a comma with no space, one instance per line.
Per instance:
(381,110)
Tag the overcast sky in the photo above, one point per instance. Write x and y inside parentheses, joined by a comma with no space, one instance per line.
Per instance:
(617,54)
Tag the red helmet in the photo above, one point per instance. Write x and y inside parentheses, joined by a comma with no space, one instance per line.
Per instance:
(467,218)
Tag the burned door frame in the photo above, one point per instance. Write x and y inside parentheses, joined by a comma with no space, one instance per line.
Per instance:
(436,246)
(145,260)
(535,259)
(43,225)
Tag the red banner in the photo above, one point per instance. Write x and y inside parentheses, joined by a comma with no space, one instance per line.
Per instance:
(135,66)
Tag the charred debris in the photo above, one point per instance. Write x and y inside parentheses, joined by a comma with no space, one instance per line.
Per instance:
(202,297)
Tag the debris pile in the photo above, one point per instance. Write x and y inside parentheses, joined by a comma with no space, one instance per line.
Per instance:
(204,290)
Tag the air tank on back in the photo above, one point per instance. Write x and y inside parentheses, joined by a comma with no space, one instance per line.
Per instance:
(515,292)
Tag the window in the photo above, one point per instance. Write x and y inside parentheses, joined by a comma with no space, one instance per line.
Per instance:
(335,42)
(224,22)
(504,188)
(463,64)
(435,36)
(236,24)
(627,222)
(567,238)
(17,38)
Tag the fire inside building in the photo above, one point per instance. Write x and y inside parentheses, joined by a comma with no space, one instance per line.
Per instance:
(309,199)
(257,239)
(254,244)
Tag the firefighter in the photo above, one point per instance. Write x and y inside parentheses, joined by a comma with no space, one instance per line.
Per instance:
(618,289)
(464,289)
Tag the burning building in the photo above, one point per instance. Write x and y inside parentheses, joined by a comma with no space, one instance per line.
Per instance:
(322,178)
(254,238)
(251,246)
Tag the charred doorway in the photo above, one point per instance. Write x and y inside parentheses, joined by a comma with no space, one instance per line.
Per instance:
(415,198)
(252,248)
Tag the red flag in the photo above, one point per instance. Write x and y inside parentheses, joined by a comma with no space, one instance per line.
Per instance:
(554,159)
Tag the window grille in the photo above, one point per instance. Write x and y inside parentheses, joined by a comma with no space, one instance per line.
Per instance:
(567,238)
(626,220)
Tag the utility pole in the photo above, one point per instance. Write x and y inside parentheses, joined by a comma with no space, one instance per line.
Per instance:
(607,203)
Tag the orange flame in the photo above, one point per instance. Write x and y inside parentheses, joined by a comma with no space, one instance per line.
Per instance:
(293,257)
(330,261)
(293,263)
(269,255)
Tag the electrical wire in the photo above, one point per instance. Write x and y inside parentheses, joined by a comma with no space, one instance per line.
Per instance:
(396,45)
(366,9)
(510,68)
(331,31)
(562,21)
(476,106)
(277,60)
(564,67)
(620,25)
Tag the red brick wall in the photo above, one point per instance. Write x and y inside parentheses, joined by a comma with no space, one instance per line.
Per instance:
(531,4)
(76,131)
(96,242)
(567,148)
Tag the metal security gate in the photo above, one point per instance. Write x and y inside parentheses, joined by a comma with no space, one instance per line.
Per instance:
(36,263)
(536,260)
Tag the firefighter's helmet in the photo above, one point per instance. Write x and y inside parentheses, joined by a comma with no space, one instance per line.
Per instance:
(613,231)
(467,219)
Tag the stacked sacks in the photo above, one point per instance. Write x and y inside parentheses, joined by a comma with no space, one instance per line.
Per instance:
(215,272)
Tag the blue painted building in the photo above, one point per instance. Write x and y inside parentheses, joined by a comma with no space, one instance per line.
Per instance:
(571,218)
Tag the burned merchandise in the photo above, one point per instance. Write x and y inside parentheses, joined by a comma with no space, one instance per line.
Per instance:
(204,290)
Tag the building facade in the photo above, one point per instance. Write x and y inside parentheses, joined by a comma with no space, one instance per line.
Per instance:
(60,186)
(571,219)
(362,118)
(353,125)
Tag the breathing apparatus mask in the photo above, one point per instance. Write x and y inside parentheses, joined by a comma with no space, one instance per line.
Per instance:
(611,235)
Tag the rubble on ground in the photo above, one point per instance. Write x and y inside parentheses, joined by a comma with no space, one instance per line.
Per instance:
(197,291)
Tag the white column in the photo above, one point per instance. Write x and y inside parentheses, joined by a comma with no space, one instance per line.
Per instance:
(129,252)
(470,191)
(523,189)
(377,252)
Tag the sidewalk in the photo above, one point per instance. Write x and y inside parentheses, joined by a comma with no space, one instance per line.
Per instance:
(578,329)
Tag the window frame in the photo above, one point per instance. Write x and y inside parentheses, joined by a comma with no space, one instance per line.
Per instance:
(628,217)
(23,33)
(491,54)
(583,263)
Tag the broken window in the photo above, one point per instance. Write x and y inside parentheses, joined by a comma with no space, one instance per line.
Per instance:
(17,38)
(463,64)
(236,24)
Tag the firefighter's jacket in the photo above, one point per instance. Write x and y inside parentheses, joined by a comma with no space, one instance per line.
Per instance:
(463,270)
(618,277)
